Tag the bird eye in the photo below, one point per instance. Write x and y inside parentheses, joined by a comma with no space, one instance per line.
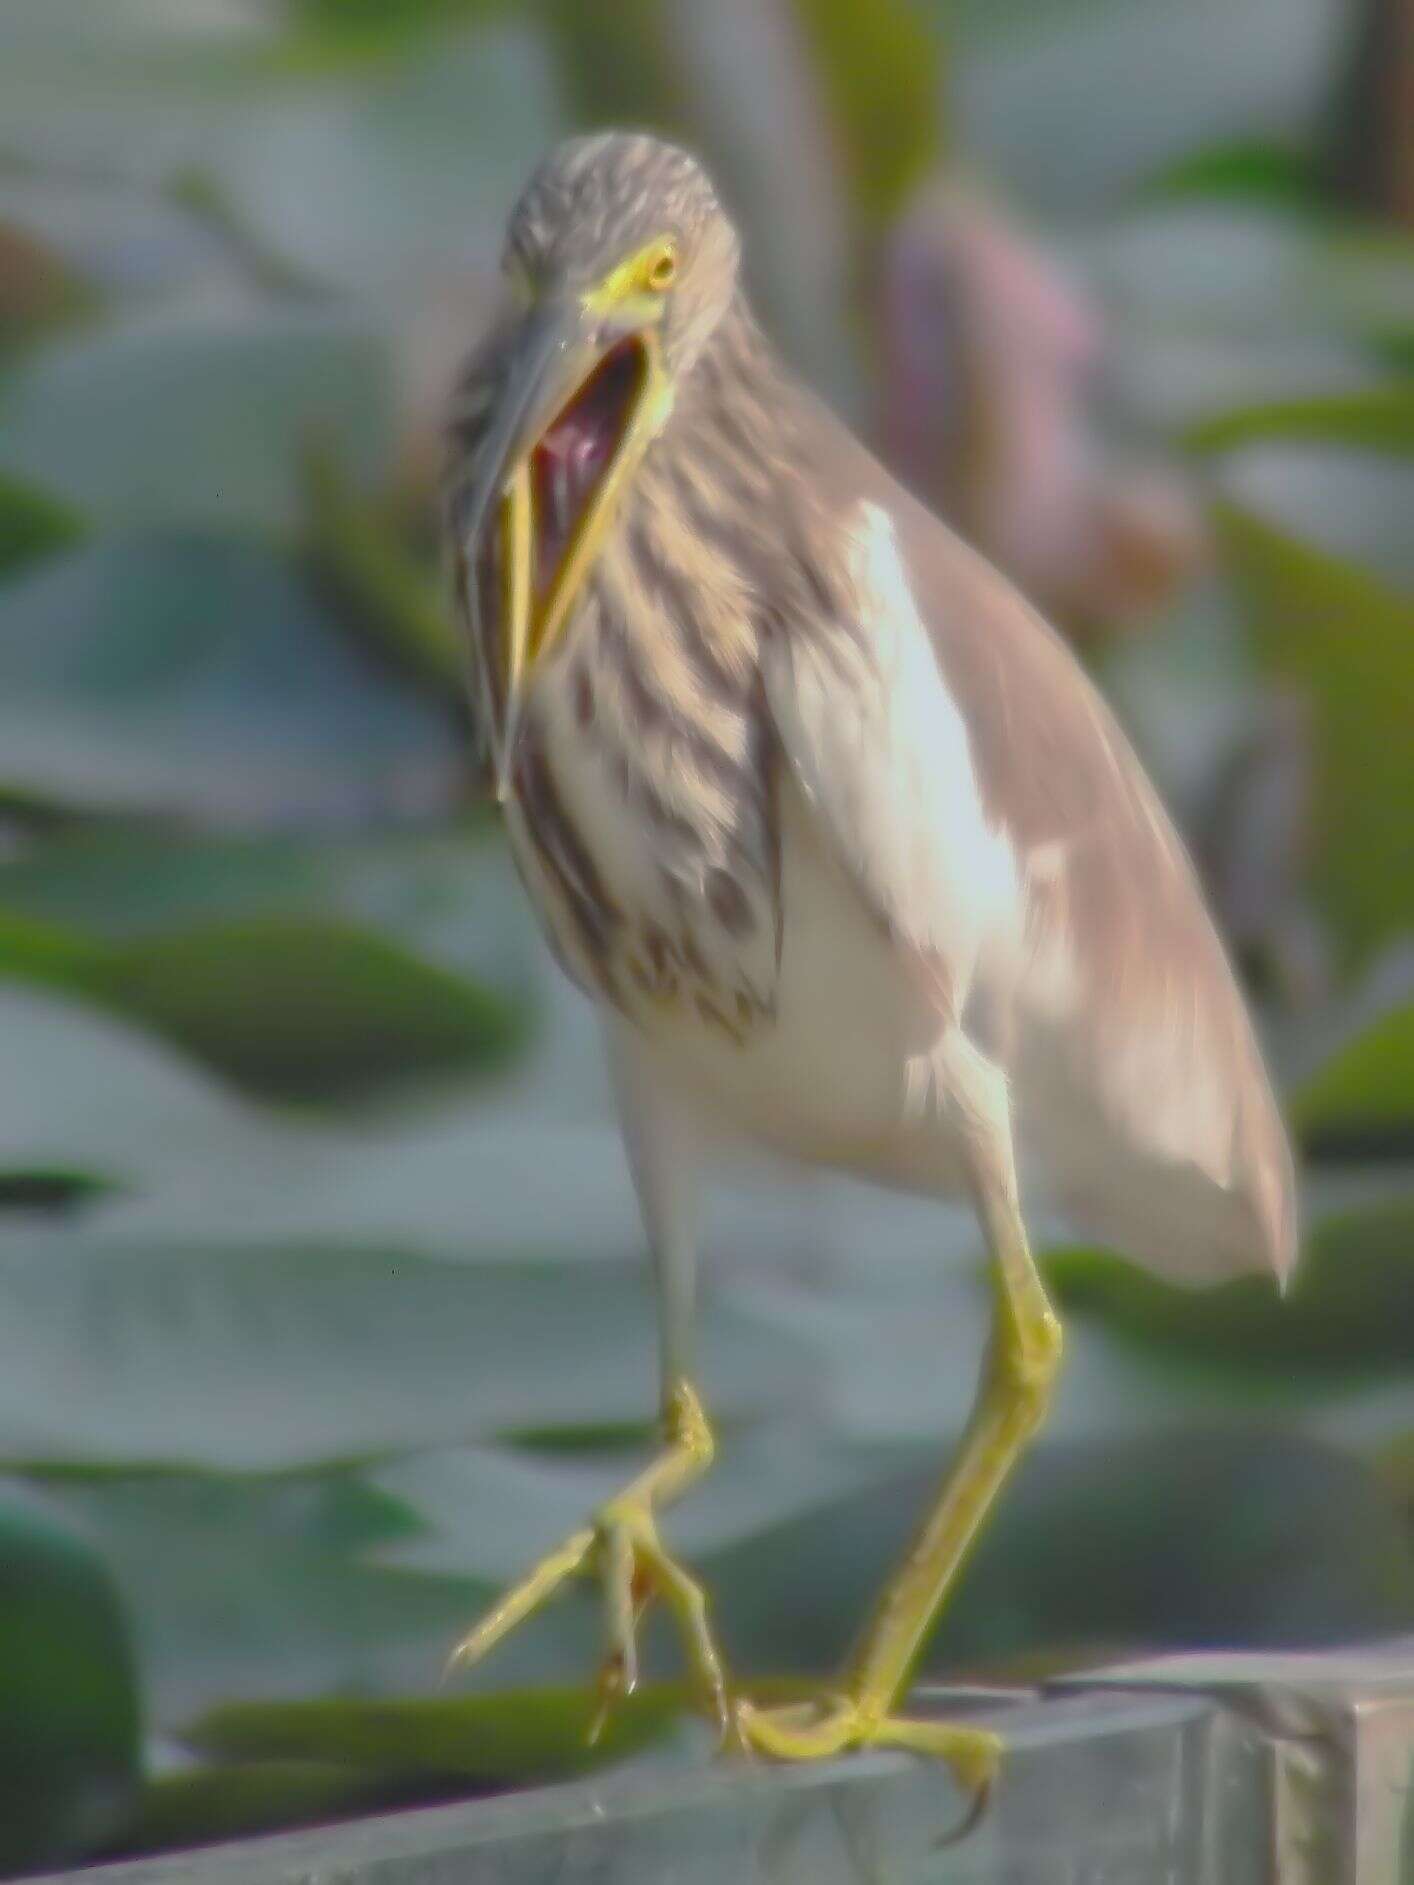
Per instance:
(662,268)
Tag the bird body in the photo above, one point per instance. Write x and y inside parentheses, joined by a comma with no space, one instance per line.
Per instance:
(937,772)
(852,856)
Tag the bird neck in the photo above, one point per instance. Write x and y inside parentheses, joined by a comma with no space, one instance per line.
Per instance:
(663,651)
(739,473)
(735,407)
(678,571)
(725,537)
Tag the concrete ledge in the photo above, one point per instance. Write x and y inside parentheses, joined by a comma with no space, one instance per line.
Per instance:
(1212,1770)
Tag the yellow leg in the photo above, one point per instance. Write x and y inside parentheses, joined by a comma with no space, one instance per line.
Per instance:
(1021,1366)
(622,1544)
(1025,1353)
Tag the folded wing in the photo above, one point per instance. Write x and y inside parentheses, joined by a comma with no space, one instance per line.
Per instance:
(978,789)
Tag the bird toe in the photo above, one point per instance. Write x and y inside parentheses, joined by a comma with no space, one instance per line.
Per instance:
(636,1567)
(831,1723)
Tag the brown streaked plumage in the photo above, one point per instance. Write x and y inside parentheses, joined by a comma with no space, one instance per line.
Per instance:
(853,856)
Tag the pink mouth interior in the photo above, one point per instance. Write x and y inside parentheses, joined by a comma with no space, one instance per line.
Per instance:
(572,457)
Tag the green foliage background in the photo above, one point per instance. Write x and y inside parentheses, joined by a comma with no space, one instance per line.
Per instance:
(321,1305)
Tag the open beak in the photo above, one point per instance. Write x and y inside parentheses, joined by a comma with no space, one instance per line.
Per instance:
(583,398)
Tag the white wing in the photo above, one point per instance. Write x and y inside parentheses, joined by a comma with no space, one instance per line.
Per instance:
(880,753)
(1019,852)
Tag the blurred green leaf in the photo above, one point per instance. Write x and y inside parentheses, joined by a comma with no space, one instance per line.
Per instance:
(613,60)
(324,33)
(50,1188)
(139,1352)
(1372,279)
(184,674)
(1394,1463)
(32,526)
(396,601)
(1234,265)
(1330,498)
(252,1586)
(1364,1094)
(42,952)
(68,1701)
(38,292)
(381,177)
(259,1588)
(1179,378)
(1230,306)
(1381,417)
(1200,1538)
(197,421)
(1075,102)
(239,1801)
(1349,1312)
(449,896)
(363,960)
(120,243)
(1345,639)
(1176,1539)
(307,1010)
(293,1001)
(535,1734)
(364,157)
(882,87)
(1272,173)
(45,36)
(189,1162)
(278,280)
(101,1098)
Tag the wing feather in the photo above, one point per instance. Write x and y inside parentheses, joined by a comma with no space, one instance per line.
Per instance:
(982,795)
(880,751)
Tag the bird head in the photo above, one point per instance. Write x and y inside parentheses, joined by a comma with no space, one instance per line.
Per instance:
(622,264)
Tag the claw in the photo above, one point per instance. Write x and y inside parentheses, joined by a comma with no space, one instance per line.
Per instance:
(635,1567)
(612,1690)
(617,1563)
(623,1611)
(623,1546)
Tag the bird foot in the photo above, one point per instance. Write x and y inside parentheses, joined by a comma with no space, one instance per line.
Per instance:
(830,1723)
(621,1545)
(636,1567)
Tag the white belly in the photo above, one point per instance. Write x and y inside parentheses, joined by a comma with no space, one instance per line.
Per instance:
(838,1069)
(836,1078)
(841,1079)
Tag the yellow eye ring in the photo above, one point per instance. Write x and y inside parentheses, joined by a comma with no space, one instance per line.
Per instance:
(662,268)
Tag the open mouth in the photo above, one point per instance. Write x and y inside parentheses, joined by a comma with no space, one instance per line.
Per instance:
(549,490)
(570,463)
